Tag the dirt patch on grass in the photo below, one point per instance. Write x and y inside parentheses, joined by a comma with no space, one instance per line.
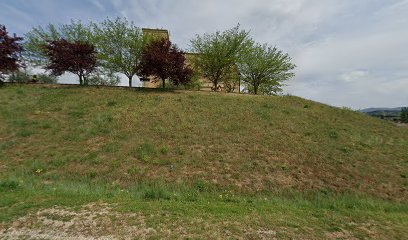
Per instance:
(93,221)
(340,235)
(403,125)
(101,221)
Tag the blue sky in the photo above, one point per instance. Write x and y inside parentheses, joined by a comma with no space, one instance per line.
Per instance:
(349,53)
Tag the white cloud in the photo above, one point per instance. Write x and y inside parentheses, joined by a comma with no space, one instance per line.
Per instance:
(353,76)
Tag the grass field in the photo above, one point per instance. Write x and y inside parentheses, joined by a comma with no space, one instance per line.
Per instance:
(168,164)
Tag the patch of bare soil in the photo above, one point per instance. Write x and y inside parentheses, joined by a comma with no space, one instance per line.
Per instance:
(340,235)
(93,221)
(100,221)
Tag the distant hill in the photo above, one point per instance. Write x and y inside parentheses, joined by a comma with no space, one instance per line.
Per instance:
(391,114)
(368,110)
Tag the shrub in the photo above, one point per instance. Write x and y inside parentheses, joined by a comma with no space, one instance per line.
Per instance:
(104,79)
(19,77)
(45,78)
(194,84)
(24,77)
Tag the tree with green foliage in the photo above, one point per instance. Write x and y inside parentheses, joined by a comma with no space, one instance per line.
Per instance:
(404,115)
(39,36)
(120,45)
(264,68)
(217,53)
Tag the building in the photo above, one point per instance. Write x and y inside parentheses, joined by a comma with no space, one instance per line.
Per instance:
(156,33)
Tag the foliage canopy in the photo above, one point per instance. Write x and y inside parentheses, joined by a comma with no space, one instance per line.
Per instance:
(264,68)
(76,57)
(165,60)
(10,50)
(40,36)
(119,45)
(217,53)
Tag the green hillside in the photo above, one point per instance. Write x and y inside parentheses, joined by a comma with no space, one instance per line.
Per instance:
(174,151)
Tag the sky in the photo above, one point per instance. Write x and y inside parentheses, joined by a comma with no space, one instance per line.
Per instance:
(348,53)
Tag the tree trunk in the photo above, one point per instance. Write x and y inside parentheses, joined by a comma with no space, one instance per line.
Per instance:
(130,81)
(215,82)
(255,89)
(164,82)
(81,81)
(239,85)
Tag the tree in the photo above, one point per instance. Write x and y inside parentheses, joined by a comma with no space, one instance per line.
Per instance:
(120,46)
(40,36)
(219,52)
(164,60)
(10,50)
(264,68)
(75,57)
(404,115)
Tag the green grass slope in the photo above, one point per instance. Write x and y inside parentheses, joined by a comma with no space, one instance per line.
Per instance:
(238,142)
(63,143)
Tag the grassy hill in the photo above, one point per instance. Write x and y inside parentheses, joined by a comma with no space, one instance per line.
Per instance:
(260,162)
